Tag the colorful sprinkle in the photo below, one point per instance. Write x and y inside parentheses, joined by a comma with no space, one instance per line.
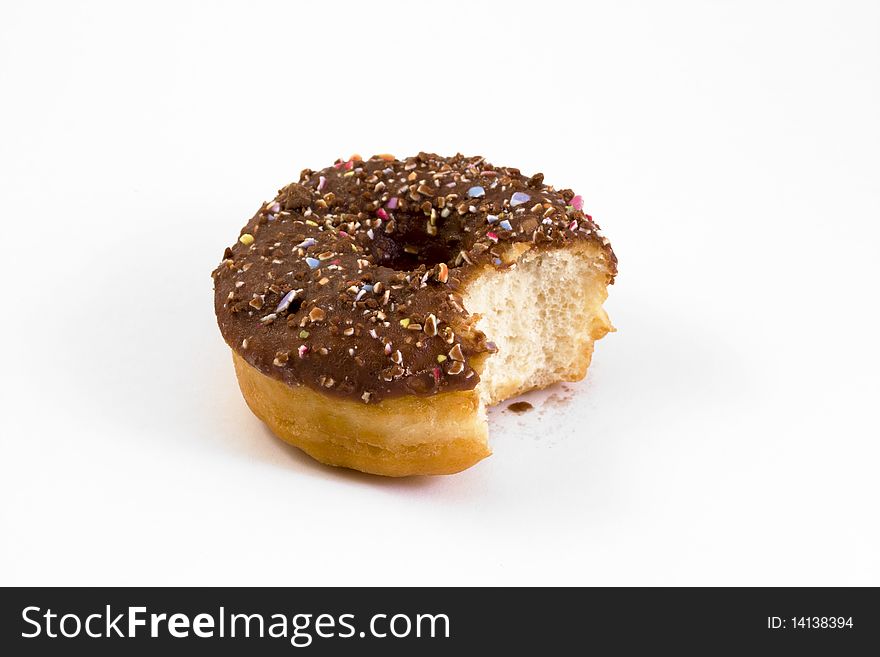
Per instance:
(392,203)
(303,334)
(476,192)
(286,300)
(306,243)
(247,239)
(321,182)
(577,203)
(440,358)
(492,236)
(505,225)
(436,375)
(313,263)
(302,351)
(405,322)
(491,218)
(381,213)
(519,198)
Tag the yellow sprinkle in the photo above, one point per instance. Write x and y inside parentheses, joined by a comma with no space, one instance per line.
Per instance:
(303,334)
(440,358)
(404,322)
(247,239)
(310,222)
(385,156)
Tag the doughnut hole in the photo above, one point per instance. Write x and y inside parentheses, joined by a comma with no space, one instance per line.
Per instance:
(410,245)
(544,313)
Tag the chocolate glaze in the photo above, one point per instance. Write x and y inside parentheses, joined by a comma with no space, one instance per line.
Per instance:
(349,280)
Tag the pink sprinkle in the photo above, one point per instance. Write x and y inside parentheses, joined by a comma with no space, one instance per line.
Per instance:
(577,202)
(382,214)
(436,375)
(337,164)
(492,236)
(392,203)
(343,233)
(321,181)
(349,165)
(573,226)
(302,351)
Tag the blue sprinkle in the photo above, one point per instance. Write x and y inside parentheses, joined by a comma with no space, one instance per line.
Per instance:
(368,287)
(476,192)
(313,262)
(505,224)
(306,243)
(491,218)
(497,261)
(286,301)
(519,198)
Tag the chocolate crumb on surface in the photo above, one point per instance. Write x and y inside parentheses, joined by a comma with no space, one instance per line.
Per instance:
(350,280)
(520,407)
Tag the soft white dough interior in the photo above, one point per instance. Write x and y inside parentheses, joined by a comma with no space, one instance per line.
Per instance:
(544,313)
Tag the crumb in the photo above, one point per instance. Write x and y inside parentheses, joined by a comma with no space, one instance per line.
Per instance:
(520,407)
(557,400)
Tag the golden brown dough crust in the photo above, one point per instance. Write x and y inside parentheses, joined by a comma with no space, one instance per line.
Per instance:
(442,434)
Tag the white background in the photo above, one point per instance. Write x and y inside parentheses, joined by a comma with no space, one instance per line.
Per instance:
(726,434)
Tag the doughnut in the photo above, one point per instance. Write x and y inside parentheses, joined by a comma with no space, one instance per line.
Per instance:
(376,308)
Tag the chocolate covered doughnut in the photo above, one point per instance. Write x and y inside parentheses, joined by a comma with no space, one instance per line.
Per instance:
(375,308)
